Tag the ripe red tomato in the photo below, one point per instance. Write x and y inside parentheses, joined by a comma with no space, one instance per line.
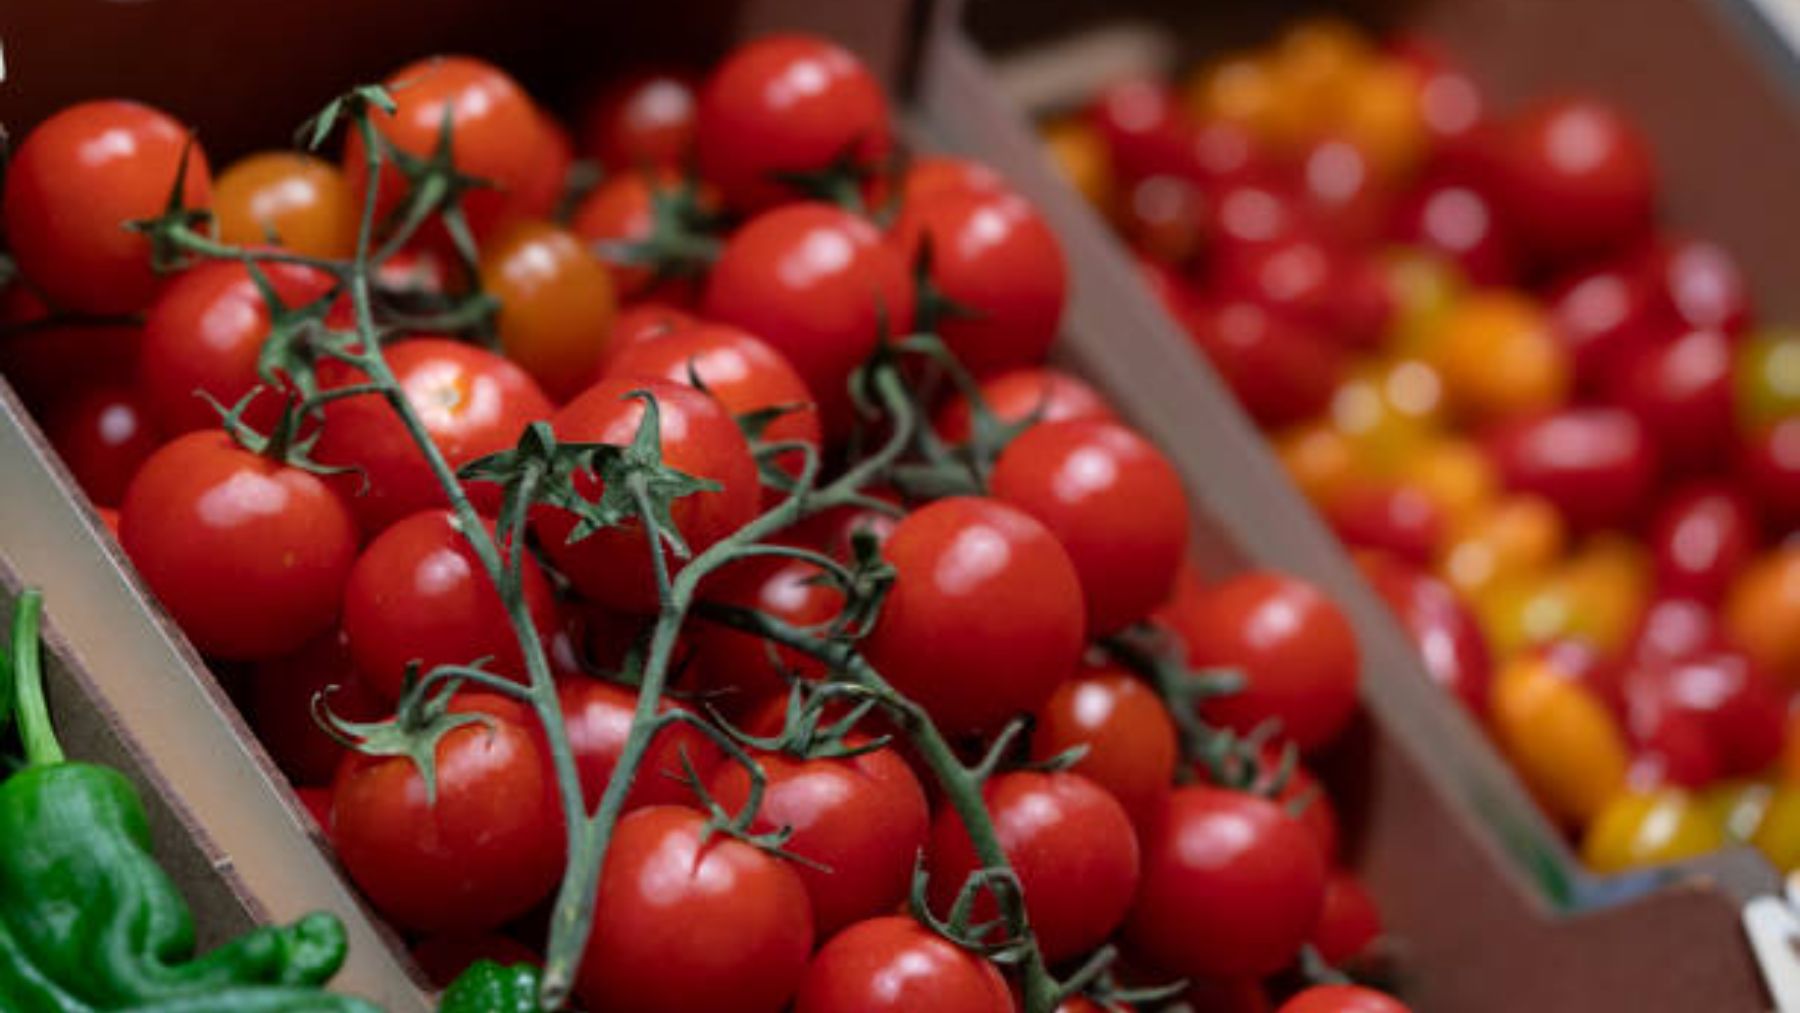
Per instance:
(1342,999)
(985,617)
(1448,637)
(739,671)
(1165,218)
(1451,217)
(293,200)
(49,364)
(1280,371)
(1343,189)
(102,438)
(929,177)
(1113,501)
(690,920)
(598,715)
(699,438)
(832,531)
(1348,923)
(443,959)
(1577,178)
(1128,734)
(1053,395)
(497,134)
(639,321)
(1302,279)
(1141,120)
(317,804)
(1398,519)
(556,304)
(622,209)
(864,819)
(488,848)
(642,120)
(1702,534)
(1675,629)
(1738,706)
(205,332)
(1232,886)
(784,104)
(1296,652)
(896,965)
(419,594)
(1681,392)
(472,402)
(1699,283)
(821,286)
(1254,212)
(994,256)
(72,184)
(1597,466)
(281,707)
(249,556)
(1769,468)
(1301,796)
(1606,317)
(1071,845)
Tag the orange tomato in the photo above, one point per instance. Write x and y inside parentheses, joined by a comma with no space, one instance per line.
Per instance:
(1635,829)
(288,199)
(1425,289)
(1499,357)
(1789,767)
(1562,740)
(1389,410)
(1380,112)
(1079,152)
(1457,476)
(1762,612)
(1519,536)
(1315,61)
(1608,580)
(1319,459)
(556,304)
(1246,89)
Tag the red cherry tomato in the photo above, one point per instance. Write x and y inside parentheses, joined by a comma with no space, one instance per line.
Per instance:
(204,334)
(1071,845)
(1127,733)
(472,402)
(645,320)
(1390,517)
(1142,124)
(1253,212)
(281,707)
(1296,652)
(930,177)
(418,593)
(1166,218)
(1596,465)
(1049,394)
(1232,886)
(598,715)
(1699,283)
(1769,468)
(72,184)
(1738,705)
(1306,281)
(821,286)
(863,819)
(1301,796)
(1280,371)
(691,920)
(317,803)
(1675,629)
(1450,103)
(699,438)
(1606,317)
(1349,921)
(497,134)
(1701,536)
(786,104)
(1449,216)
(622,209)
(1342,999)
(1577,178)
(102,438)
(1342,190)
(1681,392)
(47,365)
(443,959)
(482,852)
(642,120)
(896,965)
(1451,642)
(1113,501)
(248,555)
(985,617)
(993,256)
(741,670)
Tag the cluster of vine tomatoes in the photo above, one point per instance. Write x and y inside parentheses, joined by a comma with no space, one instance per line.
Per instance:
(701,272)
(1570,461)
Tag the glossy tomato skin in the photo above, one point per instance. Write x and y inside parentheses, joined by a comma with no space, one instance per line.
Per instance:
(556,304)
(993,255)
(643,120)
(1114,502)
(1454,218)
(1343,999)
(863,818)
(1577,178)
(929,177)
(1606,317)
(1701,536)
(102,437)
(1280,371)
(497,134)
(472,402)
(1349,923)
(1071,845)
(419,593)
(1126,730)
(1232,886)
(205,333)
(1389,517)
(1769,467)
(489,848)
(281,707)
(1597,465)
(893,965)
(622,209)
(821,286)
(1452,643)
(1050,394)
(597,715)
(249,556)
(1295,649)
(73,182)
(698,437)
(985,617)
(738,670)
(1736,704)
(1699,282)
(685,920)
(1142,123)
(299,202)
(1681,393)
(787,103)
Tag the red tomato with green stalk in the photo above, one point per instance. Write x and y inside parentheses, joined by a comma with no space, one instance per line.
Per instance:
(280,706)
(1700,537)
(597,716)
(895,965)
(1131,748)
(739,671)
(102,436)
(1049,395)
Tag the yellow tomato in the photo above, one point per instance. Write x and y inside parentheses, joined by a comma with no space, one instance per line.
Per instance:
(556,304)
(1635,829)
(1457,476)
(1499,357)
(1389,410)
(1608,581)
(1317,61)
(1762,612)
(1379,111)
(292,200)
(1319,459)
(1425,290)
(1561,739)
(1763,815)
(1245,89)
(1519,536)
(1079,152)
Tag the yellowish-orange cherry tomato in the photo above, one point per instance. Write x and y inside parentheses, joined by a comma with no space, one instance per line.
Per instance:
(1079,152)
(1321,461)
(1520,536)
(1608,580)
(1763,814)
(1390,410)
(1458,478)
(1762,612)
(1245,89)
(1777,836)
(1499,357)
(1767,377)
(1380,112)
(1641,828)
(1316,61)
(556,304)
(286,199)
(1565,744)
(1425,289)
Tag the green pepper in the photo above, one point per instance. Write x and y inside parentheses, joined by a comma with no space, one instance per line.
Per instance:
(487,987)
(89,921)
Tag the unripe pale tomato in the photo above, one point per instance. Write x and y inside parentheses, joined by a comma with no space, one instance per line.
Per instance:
(294,201)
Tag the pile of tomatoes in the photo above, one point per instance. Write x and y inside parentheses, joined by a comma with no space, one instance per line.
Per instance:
(698,270)
(1569,457)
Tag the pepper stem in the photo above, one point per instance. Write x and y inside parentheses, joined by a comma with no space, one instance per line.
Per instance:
(41,747)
